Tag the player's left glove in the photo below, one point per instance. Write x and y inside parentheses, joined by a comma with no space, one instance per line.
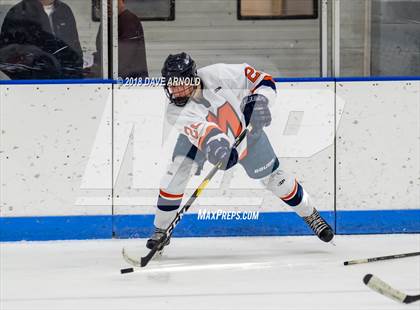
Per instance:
(256,111)
(219,150)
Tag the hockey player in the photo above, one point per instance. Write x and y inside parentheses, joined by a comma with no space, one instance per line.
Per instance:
(210,107)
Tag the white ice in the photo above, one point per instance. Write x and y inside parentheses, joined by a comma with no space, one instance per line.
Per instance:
(208,273)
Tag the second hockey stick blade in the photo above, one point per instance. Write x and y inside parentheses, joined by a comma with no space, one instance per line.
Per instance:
(385,289)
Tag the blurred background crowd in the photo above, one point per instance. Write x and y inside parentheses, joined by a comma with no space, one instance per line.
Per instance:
(74,39)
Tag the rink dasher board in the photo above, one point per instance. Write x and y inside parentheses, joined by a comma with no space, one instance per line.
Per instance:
(98,225)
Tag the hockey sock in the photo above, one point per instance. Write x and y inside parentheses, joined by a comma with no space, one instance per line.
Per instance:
(172,189)
(167,205)
(284,186)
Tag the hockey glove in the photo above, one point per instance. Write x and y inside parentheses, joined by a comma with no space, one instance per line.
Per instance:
(256,111)
(219,150)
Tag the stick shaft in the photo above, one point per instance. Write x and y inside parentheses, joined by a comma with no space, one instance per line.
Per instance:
(200,188)
(379,258)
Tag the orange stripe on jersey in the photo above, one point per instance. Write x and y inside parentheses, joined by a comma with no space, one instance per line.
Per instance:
(266,78)
(170,196)
(203,137)
(292,193)
(269,78)
(226,118)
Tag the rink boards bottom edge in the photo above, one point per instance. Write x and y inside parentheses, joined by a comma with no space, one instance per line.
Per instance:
(141,226)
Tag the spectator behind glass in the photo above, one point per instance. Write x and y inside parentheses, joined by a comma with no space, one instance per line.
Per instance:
(131,47)
(38,40)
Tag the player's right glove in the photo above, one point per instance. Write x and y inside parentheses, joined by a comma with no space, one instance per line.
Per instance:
(256,111)
(219,150)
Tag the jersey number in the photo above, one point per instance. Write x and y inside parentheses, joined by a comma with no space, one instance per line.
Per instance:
(251,74)
(192,130)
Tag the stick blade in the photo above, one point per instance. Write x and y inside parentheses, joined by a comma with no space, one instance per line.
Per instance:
(383,288)
(130,260)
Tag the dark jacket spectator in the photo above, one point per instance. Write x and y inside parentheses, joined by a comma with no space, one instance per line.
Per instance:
(27,23)
(28,62)
(131,47)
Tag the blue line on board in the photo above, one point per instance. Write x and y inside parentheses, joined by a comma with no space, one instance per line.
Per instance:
(280,80)
(60,82)
(349,79)
(304,79)
(378,78)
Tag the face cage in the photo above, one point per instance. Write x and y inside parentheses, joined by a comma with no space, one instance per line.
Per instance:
(178,101)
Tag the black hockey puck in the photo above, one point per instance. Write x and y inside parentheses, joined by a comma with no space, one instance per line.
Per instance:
(127,270)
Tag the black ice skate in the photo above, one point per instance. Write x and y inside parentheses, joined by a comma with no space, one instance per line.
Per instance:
(157,235)
(319,226)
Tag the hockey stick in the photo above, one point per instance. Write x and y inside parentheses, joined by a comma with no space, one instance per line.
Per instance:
(385,289)
(168,232)
(379,258)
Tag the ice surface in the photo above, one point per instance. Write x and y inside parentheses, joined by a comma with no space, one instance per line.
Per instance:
(207,273)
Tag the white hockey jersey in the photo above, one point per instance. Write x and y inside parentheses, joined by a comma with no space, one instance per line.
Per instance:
(224,87)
